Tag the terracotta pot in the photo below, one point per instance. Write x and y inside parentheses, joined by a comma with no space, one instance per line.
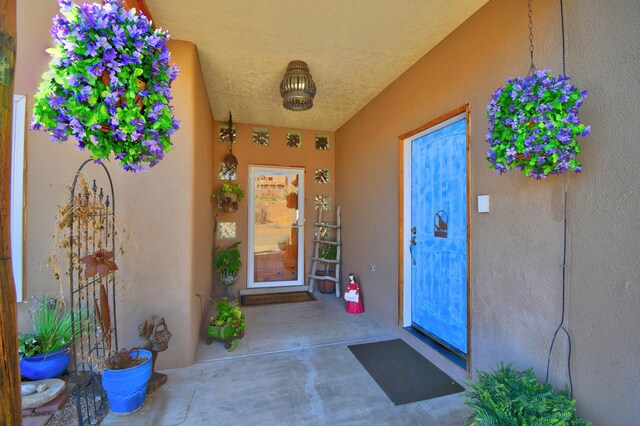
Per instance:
(326,286)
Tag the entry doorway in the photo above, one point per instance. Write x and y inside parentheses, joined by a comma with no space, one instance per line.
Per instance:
(434,233)
(276,227)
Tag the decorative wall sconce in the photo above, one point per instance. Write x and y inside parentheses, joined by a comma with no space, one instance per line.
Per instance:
(297,87)
(230,161)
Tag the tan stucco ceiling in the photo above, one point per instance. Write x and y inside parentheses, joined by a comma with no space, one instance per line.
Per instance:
(354,48)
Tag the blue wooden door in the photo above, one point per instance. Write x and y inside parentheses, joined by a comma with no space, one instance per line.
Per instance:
(439,224)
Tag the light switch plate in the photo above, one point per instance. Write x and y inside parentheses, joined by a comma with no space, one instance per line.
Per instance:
(483,204)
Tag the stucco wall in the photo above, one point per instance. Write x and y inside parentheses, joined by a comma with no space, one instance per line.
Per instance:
(201,211)
(517,248)
(166,257)
(275,154)
(604,56)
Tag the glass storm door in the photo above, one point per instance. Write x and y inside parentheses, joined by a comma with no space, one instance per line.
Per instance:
(439,226)
(276,226)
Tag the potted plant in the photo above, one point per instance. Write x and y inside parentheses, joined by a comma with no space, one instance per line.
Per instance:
(125,373)
(533,124)
(227,325)
(328,252)
(125,379)
(227,263)
(44,353)
(508,396)
(228,197)
(108,84)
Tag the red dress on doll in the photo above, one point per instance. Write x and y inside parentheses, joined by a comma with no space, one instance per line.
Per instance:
(353,307)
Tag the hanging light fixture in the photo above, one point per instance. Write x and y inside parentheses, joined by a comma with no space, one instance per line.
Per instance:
(230,161)
(297,87)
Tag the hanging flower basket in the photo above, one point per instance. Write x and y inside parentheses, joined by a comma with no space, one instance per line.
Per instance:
(108,84)
(533,124)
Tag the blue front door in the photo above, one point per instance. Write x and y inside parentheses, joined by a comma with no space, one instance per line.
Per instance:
(439,225)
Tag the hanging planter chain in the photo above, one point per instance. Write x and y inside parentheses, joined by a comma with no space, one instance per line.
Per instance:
(532,67)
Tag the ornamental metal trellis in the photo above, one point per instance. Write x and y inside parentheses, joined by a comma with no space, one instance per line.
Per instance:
(91,222)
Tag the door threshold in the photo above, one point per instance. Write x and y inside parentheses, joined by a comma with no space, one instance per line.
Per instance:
(274,290)
(445,352)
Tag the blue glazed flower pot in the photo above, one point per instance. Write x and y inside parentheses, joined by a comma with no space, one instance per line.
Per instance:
(126,389)
(45,366)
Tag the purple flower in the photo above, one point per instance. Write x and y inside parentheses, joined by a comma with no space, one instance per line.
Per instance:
(84,93)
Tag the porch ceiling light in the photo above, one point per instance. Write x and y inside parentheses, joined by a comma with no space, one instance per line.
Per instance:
(297,87)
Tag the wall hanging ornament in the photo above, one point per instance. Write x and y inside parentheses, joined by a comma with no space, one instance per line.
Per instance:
(108,84)
(533,123)
(230,160)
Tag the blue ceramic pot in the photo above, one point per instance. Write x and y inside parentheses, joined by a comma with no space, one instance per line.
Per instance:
(126,389)
(45,366)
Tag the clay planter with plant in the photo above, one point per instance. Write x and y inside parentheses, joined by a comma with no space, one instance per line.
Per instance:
(328,252)
(228,197)
(227,263)
(44,353)
(227,325)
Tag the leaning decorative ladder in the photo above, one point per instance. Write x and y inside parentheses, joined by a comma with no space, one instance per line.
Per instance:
(322,232)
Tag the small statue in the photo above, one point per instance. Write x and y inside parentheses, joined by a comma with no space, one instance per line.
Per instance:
(352,295)
(155,337)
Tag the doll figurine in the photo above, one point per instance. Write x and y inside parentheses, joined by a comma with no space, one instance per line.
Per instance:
(353,297)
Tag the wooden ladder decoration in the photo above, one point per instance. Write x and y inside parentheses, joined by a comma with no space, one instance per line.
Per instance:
(318,261)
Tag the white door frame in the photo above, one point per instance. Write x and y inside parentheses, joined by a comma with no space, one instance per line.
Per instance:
(251,226)
(404,228)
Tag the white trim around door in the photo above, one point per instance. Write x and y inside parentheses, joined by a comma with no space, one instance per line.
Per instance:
(276,227)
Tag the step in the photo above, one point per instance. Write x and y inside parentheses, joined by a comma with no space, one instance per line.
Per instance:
(331,243)
(324,278)
(326,225)
(323,260)
(271,290)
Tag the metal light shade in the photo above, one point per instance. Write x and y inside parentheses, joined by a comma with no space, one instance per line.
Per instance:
(297,87)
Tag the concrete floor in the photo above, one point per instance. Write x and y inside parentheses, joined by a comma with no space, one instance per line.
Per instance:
(293,367)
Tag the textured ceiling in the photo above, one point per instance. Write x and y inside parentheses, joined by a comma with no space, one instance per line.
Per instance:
(354,48)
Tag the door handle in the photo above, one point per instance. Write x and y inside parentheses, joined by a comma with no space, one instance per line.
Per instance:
(411,244)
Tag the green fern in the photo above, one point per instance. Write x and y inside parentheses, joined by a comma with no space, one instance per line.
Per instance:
(511,397)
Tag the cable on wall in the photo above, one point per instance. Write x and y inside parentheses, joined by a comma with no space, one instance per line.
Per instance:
(561,326)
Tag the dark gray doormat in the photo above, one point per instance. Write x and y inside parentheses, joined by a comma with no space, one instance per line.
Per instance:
(402,373)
